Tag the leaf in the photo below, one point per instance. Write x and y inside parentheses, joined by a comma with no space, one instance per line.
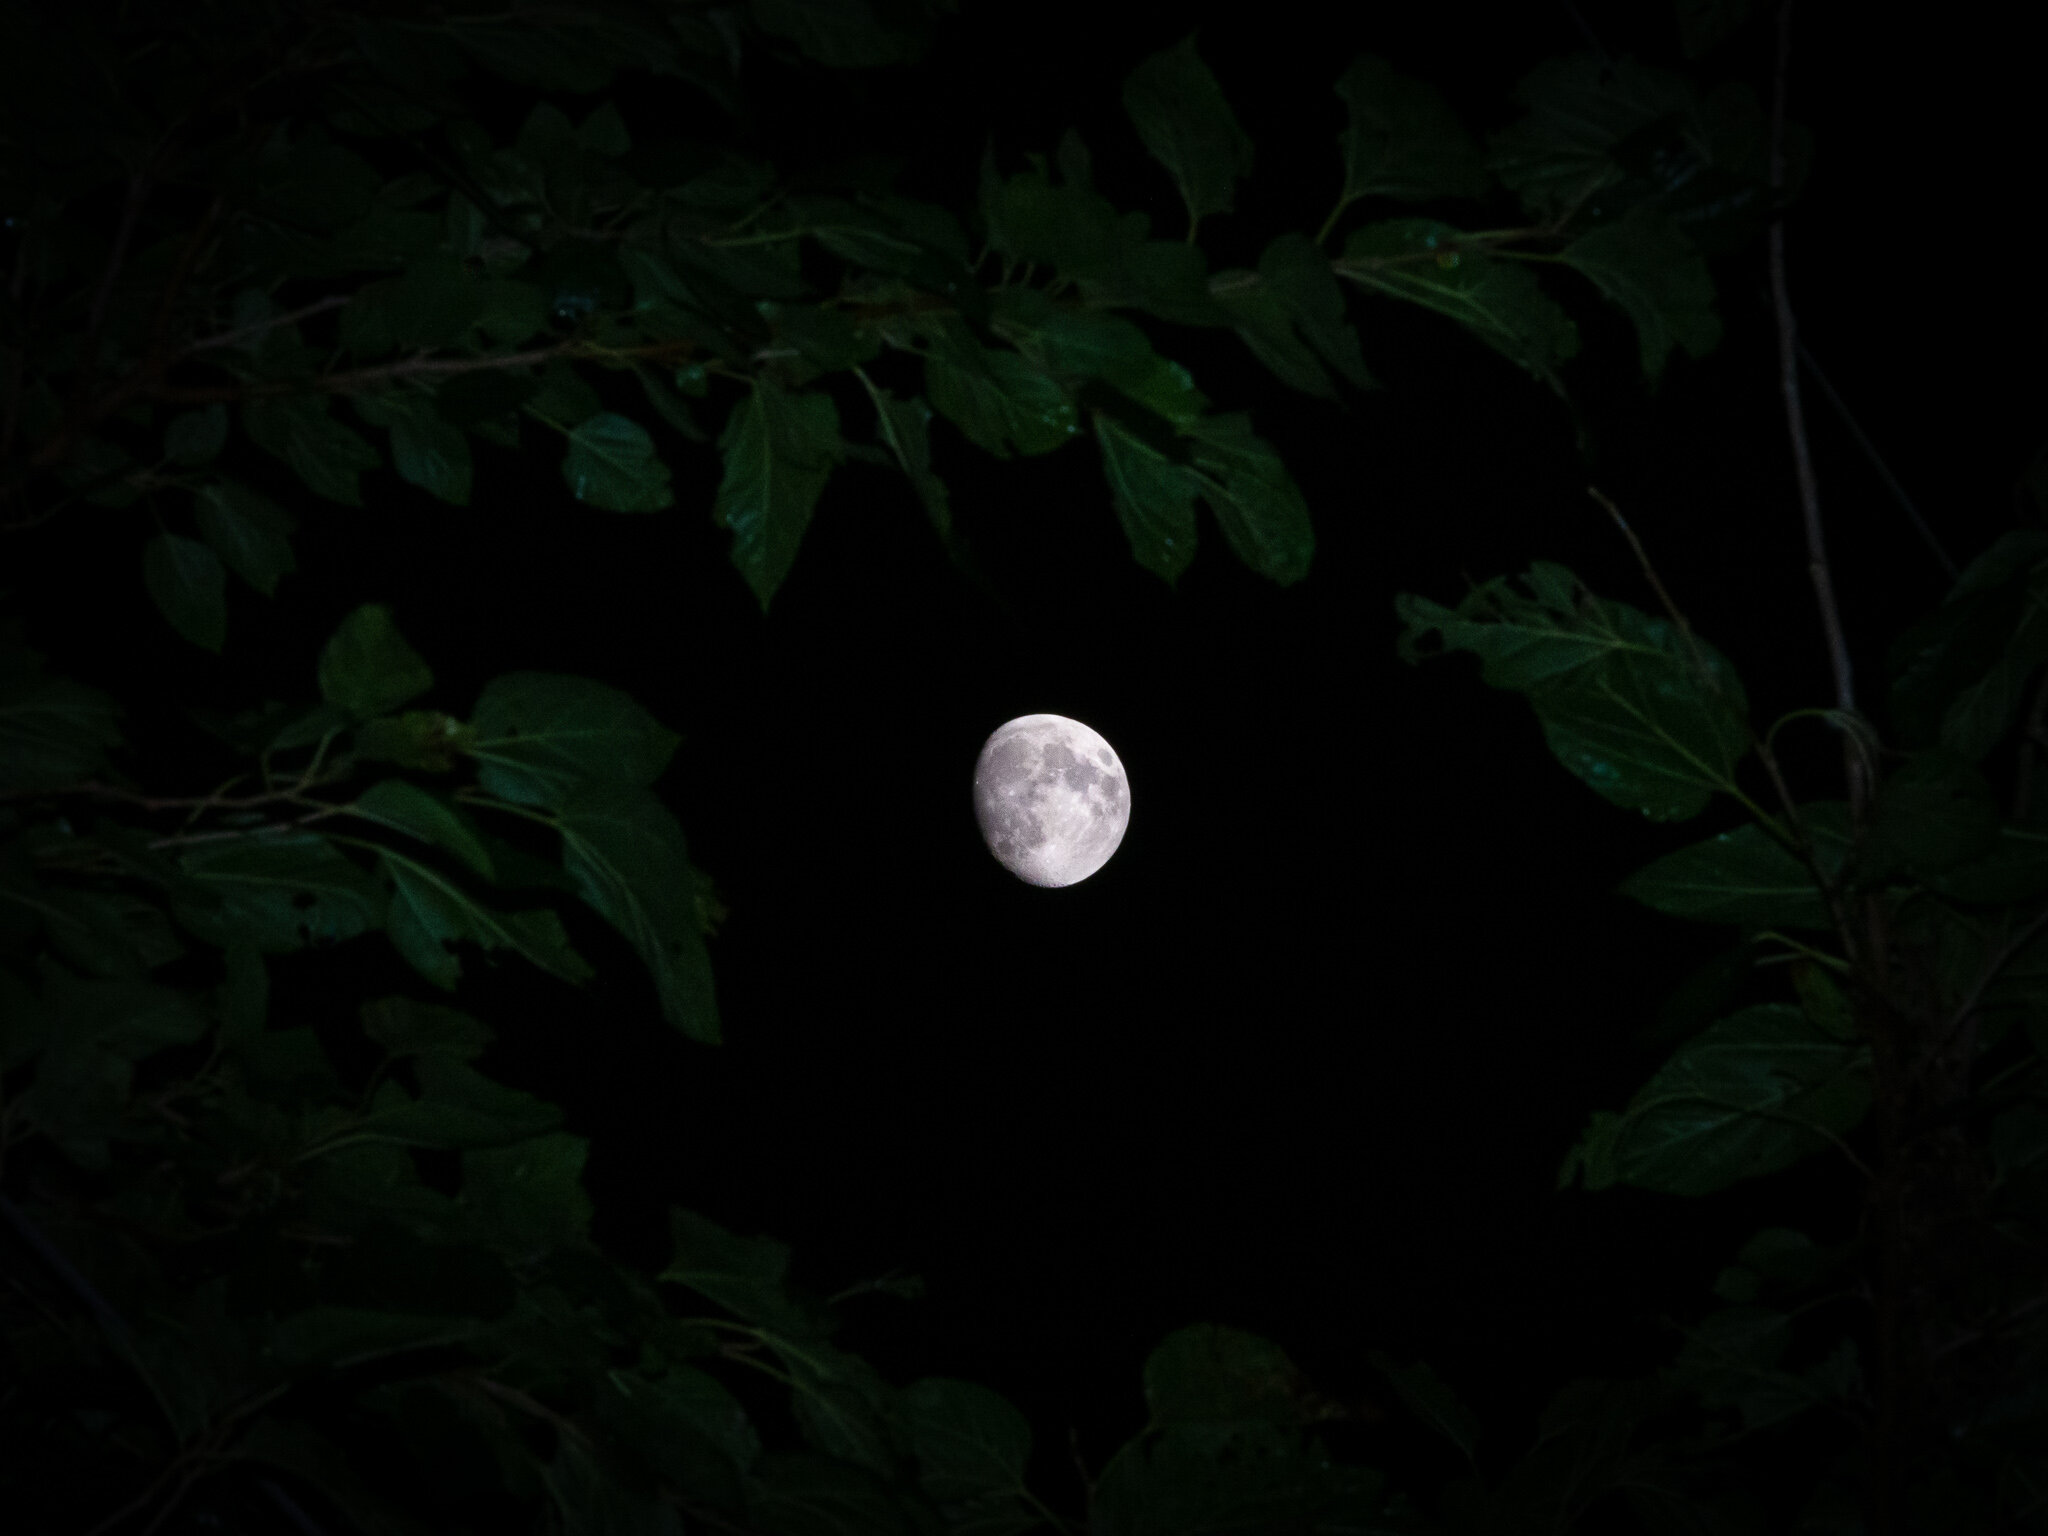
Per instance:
(1290,312)
(1154,498)
(339,1337)
(432,454)
(1253,496)
(1652,719)
(424,739)
(53,731)
(1653,272)
(529,1195)
(410,809)
(280,892)
(997,397)
(971,1447)
(249,532)
(840,34)
(630,863)
(367,668)
(192,438)
(1745,876)
(1403,141)
(406,1028)
(1580,108)
(1432,264)
(189,588)
(328,456)
(457,1109)
(539,736)
(1704,25)
(1427,1397)
(778,449)
(1180,113)
(1751,1095)
(612,464)
(1934,812)
(904,426)
(1209,1375)
(748,1276)
(429,913)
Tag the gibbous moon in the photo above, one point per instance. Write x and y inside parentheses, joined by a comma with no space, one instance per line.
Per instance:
(1051,798)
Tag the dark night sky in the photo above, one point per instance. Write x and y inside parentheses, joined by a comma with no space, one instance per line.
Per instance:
(1305,1056)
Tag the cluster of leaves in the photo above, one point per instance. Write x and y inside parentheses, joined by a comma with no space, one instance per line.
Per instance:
(1912,1047)
(262,237)
(368,240)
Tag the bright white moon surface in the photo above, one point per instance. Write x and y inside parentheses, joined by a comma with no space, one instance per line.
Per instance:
(1051,798)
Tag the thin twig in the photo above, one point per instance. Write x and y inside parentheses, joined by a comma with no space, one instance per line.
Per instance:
(289,317)
(117,254)
(1877,462)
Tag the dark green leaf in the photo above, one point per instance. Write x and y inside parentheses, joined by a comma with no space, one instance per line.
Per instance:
(1753,1094)
(1179,111)
(1934,811)
(430,913)
(1745,876)
(1652,271)
(244,995)
(339,1337)
(410,809)
(804,1494)
(748,1276)
(280,892)
(1580,108)
(188,586)
(564,398)
(840,34)
(1652,718)
(1704,25)
(1434,265)
(971,1448)
(1290,311)
(531,1194)
(1433,1402)
(1211,1375)
(778,450)
(1255,499)
(457,1109)
(1403,141)
(539,736)
(904,426)
(406,1028)
(997,397)
(1154,498)
(53,731)
(432,454)
(611,464)
(629,861)
(420,738)
(328,456)
(249,532)
(194,437)
(367,668)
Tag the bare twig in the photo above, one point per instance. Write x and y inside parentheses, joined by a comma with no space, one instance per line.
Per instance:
(289,317)
(1877,462)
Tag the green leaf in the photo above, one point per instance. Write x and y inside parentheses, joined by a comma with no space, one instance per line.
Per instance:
(1753,1094)
(539,736)
(457,1109)
(432,454)
(1209,1375)
(424,739)
(339,1337)
(1255,499)
(430,913)
(1653,719)
(1580,108)
(250,533)
(971,1447)
(1180,113)
(1425,1395)
(1704,25)
(1934,812)
(53,731)
(563,398)
(631,865)
(904,426)
(1403,141)
(529,1195)
(188,586)
(778,449)
(1291,311)
(1154,498)
(1744,876)
(1653,272)
(840,34)
(192,438)
(997,397)
(407,1028)
(748,1276)
(1434,265)
(410,809)
(611,464)
(328,456)
(280,892)
(367,668)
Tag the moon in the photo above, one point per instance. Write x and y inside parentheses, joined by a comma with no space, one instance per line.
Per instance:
(1051,798)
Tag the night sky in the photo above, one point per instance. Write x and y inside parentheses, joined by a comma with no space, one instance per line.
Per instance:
(1305,1056)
